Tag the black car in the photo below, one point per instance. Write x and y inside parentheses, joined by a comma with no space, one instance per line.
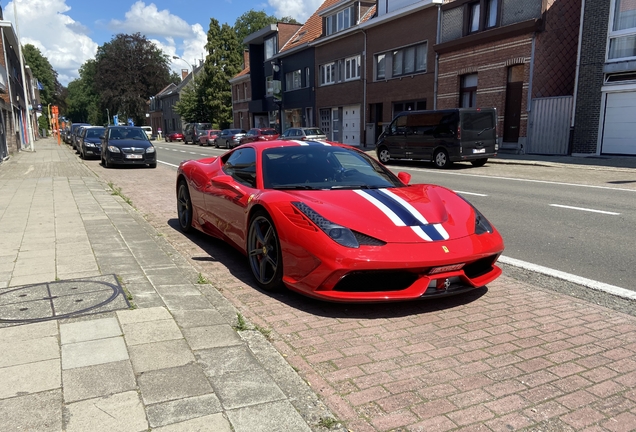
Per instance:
(90,142)
(70,136)
(229,138)
(127,145)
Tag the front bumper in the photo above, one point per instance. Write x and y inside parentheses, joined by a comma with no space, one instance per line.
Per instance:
(393,272)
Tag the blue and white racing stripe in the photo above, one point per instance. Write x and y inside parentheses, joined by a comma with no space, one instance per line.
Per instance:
(311,143)
(402,213)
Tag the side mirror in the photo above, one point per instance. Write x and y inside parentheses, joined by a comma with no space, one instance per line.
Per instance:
(404,177)
(102,137)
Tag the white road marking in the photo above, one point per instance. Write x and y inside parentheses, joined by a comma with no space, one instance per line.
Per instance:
(166,163)
(470,193)
(514,179)
(589,283)
(585,209)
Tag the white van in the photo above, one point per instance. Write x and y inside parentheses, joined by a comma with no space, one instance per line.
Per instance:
(148,130)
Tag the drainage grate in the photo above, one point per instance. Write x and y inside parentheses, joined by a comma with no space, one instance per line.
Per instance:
(61,299)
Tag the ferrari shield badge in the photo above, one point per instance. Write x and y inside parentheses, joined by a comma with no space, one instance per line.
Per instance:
(445,249)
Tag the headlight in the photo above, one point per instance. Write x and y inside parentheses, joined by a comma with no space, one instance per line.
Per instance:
(482,226)
(150,150)
(89,144)
(336,232)
(114,149)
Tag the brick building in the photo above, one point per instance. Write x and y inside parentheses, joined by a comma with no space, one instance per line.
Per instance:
(400,64)
(340,84)
(518,56)
(241,96)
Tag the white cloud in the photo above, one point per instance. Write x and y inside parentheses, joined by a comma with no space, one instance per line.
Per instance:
(62,40)
(149,21)
(299,10)
(192,48)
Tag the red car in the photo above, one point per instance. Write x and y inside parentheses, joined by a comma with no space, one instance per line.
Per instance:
(208,137)
(174,136)
(259,134)
(328,221)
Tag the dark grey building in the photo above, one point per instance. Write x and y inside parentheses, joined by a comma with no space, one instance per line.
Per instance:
(604,121)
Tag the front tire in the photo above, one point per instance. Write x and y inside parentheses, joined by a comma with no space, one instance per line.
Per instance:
(153,165)
(441,159)
(216,143)
(184,207)
(479,162)
(263,252)
(384,155)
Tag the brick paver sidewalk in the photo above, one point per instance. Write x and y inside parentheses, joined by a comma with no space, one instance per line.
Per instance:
(507,358)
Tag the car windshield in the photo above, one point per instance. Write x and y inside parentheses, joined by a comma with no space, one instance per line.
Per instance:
(323,167)
(268,132)
(235,131)
(94,133)
(313,131)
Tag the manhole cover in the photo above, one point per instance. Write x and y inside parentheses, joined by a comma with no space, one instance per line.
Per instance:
(60,299)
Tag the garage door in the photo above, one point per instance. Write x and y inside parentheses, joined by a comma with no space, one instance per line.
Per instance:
(351,125)
(619,128)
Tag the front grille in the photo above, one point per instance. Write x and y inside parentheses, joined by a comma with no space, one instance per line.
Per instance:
(479,267)
(374,281)
(133,150)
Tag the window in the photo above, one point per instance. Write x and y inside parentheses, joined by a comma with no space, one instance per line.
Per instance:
(293,80)
(468,91)
(352,68)
(328,74)
(269,85)
(474,17)
(409,60)
(271,47)
(307,78)
(481,15)
(340,21)
(379,66)
(245,90)
(622,39)
(241,165)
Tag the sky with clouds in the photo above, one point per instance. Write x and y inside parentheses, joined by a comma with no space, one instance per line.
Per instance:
(68,32)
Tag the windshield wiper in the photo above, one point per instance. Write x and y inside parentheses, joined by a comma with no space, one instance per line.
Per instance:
(484,130)
(359,186)
(295,187)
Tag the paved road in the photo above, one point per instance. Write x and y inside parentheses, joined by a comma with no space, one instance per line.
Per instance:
(512,356)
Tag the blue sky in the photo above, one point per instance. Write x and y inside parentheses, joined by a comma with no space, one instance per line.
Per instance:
(68,32)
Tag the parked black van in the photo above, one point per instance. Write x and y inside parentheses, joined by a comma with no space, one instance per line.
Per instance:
(193,131)
(441,136)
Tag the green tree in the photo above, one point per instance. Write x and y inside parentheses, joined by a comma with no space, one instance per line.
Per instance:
(222,63)
(83,103)
(191,105)
(128,70)
(44,73)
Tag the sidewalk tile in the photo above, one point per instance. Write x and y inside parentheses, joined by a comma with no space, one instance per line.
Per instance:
(160,355)
(268,417)
(143,315)
(82,331)
(177,411)
(211,336)
(41,412)
(94,352)
(173,383)
(151,331)
(121,412)
(209,423)
(28,351)
(241,389)
(28,331)
(30,378)
(98,380)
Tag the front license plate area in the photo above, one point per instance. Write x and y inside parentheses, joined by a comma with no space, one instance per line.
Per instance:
(134,156)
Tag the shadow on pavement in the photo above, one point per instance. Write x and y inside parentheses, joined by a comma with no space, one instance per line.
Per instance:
(219,251)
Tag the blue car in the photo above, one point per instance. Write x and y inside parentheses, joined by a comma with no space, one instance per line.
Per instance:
(89,142)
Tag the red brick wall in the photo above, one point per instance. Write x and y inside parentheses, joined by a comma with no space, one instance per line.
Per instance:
(417,27)
(490,61)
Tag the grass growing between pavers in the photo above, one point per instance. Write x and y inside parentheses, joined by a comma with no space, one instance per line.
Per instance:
(117,191)
(202,280)
(328,422)
(241,325)
(127,293)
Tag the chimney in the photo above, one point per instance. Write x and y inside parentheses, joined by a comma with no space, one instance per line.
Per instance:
(246,59)
(184,74)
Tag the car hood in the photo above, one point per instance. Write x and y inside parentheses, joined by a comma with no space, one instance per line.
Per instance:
(407,214)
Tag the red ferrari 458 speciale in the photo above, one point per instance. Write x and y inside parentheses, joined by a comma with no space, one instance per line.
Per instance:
(330,222)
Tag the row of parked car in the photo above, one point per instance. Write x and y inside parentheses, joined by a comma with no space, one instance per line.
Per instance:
(229,138)
(113,145)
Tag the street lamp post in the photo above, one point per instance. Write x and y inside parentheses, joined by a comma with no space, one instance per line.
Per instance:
(108,116)
(194,83)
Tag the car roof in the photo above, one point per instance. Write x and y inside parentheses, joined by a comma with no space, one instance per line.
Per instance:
(264,145)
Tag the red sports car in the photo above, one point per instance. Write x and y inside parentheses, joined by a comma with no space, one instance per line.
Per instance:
(330,222)
(174,136)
